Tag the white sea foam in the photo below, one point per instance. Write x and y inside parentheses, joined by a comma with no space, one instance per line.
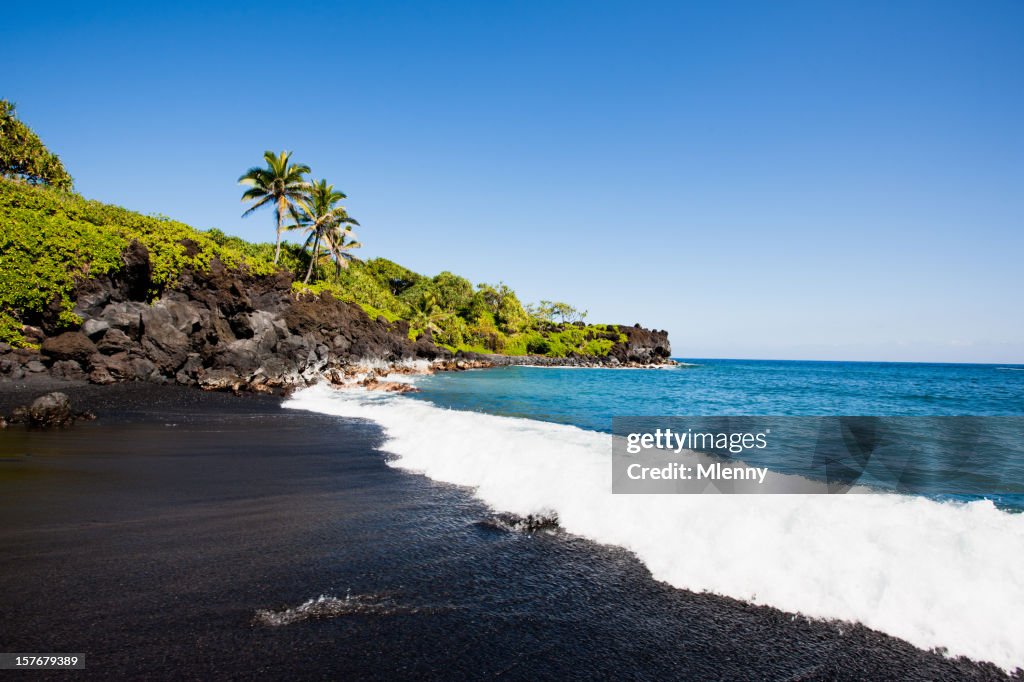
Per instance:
(326,606)
(401,378)
(935,574)
(379,365)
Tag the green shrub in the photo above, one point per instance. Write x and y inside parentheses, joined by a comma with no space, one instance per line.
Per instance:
(293,258)
(597,347)
(360,286)
(414,294)
(340,292)
(51,238)
(10,330)
(396,278)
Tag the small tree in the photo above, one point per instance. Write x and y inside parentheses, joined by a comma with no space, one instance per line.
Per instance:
(397,278)
(453,292)
(511,316)
(24,157)
(550,311)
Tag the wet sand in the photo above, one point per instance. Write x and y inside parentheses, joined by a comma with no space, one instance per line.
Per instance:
(151,538)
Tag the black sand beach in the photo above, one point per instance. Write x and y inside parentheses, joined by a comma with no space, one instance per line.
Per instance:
(150,539)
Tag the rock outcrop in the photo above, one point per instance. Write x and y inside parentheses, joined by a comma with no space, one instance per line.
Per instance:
(225,329)
(47,411)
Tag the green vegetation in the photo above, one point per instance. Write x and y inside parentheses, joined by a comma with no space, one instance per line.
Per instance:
(24,157)
(484,319)
(328,224)
(281,184)
(554,310)
(313,206)
(446,308)
(53,238)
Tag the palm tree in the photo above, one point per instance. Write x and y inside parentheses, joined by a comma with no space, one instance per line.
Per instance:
(328,224)
(280,184)
(340,240)
(427,314)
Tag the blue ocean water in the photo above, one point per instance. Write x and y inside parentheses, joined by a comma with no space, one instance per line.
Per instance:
(589,398)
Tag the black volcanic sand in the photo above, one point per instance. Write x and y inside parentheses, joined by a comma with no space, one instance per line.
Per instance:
(149,539)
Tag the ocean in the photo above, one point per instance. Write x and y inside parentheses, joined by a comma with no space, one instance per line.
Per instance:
(589,398)
(939,573)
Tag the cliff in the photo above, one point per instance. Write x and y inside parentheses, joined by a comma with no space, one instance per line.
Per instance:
(222,327)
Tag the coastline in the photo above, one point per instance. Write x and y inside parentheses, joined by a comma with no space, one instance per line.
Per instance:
(223,326)
(245,427)
(530,454)
(235,506)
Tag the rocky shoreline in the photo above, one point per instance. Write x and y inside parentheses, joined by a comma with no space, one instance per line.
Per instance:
(225,329)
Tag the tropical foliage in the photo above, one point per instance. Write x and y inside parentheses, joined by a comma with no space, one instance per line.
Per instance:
(279,185)
(24,157)
(328,226)
(485,318)
(553,311)
(52,238)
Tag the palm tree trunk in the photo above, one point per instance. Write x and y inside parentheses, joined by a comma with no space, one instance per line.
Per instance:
(277,249)
(312,259)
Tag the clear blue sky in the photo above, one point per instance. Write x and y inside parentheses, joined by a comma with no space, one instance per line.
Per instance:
(834,180)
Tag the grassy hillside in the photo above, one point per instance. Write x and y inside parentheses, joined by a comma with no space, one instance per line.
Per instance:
(51,237)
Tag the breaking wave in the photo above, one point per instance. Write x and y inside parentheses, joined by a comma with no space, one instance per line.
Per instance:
(940,575)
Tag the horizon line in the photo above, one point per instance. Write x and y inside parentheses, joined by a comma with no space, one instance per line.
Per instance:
(876,362)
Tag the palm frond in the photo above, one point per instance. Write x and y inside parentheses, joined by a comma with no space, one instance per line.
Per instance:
(258,204)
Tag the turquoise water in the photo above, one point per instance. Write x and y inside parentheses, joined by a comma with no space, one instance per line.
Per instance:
(936,574)
(589,398)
